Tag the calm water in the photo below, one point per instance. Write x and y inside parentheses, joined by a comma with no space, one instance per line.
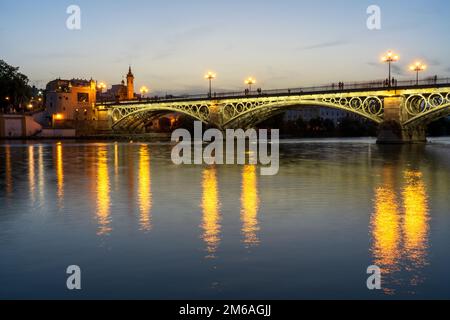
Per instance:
(140,227)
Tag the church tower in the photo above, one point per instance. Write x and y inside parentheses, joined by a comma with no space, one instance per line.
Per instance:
(130,85)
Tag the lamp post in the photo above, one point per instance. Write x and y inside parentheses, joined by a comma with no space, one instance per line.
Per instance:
(210,76)
(101,86)
(390,57)
(417,67)
(144,90)
(250,81)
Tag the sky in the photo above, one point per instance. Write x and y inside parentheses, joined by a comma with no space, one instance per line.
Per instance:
(172,44)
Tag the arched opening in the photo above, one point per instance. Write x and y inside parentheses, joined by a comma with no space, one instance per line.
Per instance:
(154,121)
(439,127)
(436,121)
(314,121)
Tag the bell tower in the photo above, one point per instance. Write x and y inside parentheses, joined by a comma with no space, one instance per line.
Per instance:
(130,85)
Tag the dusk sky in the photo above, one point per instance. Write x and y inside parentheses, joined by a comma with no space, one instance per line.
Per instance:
(171,44)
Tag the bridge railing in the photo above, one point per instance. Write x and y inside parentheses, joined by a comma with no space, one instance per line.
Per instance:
(330,88)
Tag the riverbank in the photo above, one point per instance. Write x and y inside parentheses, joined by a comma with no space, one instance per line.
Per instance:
(105,137)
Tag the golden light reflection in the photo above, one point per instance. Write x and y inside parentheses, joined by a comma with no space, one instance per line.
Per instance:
(400,229)
(8,171)
(416,219)
(386,225)
(250,206)
(41,182)
(31,176)
(103,192)
(60,173)
(116,159)
(116,166)
(145,192)
(211,211)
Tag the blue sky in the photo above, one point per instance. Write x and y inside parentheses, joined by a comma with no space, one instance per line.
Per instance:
(171,44)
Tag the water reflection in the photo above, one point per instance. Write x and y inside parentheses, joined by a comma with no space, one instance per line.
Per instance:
(400,228)
(8,171)
(211,212)
(41,176)
(386,225)
(250,206)
(103,192)
(416,221)
(60,174)
(31,176)
(144,192)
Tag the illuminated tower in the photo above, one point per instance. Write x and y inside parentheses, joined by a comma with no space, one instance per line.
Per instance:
(130,85)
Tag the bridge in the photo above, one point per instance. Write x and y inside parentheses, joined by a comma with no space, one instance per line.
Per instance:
(403,110)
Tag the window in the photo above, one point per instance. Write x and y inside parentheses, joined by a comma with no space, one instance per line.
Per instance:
(83,97)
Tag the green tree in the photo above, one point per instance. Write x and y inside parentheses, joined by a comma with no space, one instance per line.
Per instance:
(14,88)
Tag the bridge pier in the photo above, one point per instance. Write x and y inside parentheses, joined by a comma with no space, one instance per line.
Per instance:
(392,130)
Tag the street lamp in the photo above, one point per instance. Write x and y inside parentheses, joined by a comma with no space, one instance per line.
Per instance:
(144,90)
(418,67)
(250,81)
(101,86)
(210,76)
(389,58)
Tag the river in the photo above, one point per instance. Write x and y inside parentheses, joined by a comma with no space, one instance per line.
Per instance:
(140,227)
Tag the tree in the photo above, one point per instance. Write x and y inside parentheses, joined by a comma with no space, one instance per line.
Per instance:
(14,88)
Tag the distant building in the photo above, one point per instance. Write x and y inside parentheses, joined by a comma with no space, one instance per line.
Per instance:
(309,113)
(72,103)
(71,99)
(120,92)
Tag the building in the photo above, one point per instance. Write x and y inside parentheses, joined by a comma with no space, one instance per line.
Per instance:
(71,104)
(18,126)
(309,113)
(120,92)
(69,100)
(130,84)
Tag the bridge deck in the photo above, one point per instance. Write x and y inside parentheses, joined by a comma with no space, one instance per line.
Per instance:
(327,89)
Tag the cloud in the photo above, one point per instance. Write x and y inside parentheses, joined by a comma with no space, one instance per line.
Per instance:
(175,42)
(328,44)
(434,62)
(396,69)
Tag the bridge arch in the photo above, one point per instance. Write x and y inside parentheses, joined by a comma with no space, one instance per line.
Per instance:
(131,119)
(426,108)
(429,116)
(370,108)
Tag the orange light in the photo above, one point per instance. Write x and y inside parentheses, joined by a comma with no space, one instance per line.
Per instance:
(210,76)
(59,116)
(144,90)
(250,81)
(418,66)
(390,57)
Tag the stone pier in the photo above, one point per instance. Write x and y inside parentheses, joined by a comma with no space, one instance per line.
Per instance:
(392,131)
